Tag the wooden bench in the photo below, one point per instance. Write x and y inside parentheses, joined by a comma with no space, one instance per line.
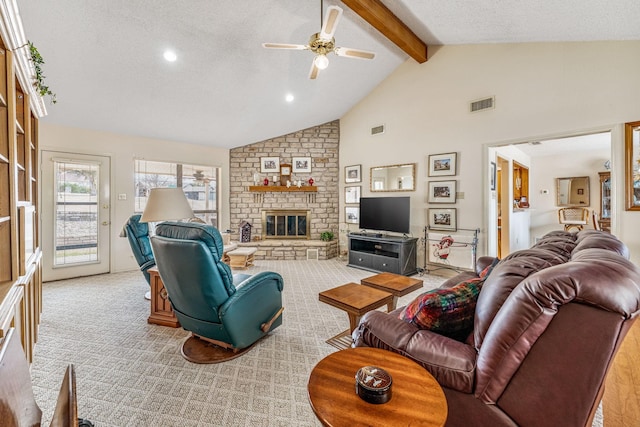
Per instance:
(241,257)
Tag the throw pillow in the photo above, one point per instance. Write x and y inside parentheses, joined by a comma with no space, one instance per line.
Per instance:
(449,312)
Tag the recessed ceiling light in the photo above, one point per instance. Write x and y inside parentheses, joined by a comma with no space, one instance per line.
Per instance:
(170,55)
(289,98)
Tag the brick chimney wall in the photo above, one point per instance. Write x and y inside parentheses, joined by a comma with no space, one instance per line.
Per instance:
(318,142)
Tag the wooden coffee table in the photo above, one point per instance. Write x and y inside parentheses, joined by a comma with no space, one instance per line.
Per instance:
(356,300)
(395,284)
(416,399)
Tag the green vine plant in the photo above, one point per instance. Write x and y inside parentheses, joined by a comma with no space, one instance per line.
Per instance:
(38,82)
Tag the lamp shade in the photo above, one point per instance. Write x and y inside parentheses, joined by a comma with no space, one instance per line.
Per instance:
(166,204)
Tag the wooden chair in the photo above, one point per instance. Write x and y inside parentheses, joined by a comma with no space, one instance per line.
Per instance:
(596,223)
(573,218)
(18,406)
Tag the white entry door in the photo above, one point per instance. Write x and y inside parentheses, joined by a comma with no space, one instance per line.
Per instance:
(75,215)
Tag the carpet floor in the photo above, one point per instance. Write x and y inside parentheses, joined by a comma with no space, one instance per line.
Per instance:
(131,373)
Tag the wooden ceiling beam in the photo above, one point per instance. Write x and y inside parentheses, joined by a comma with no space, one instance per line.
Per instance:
(382,19)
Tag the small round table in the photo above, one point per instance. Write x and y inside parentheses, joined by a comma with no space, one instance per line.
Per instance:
(417,398)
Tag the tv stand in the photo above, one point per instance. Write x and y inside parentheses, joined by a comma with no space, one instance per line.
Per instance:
(376,252)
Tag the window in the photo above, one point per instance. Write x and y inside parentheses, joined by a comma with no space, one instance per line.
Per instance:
(199,183)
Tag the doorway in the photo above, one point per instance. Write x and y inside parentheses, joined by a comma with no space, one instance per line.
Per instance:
(75,215)
(579,155)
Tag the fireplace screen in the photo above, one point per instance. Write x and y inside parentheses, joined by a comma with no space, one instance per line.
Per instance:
(285,224)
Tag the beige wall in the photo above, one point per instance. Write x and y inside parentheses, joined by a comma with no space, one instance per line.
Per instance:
(122,149)
(546,169)
(542,90)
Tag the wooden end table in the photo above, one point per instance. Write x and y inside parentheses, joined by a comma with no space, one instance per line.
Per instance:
(356,300)
(416,399)
(161,311)
(395,284)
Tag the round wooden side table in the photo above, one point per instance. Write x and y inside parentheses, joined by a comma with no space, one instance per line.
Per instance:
(417,398)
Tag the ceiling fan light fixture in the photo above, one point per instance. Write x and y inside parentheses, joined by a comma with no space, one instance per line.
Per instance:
(321,61)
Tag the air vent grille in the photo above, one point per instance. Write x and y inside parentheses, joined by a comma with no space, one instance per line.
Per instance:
(482,104)
(377,130)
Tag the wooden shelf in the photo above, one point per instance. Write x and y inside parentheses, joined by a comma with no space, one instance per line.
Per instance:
(282,189)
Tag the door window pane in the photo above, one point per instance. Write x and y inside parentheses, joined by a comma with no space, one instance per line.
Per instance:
(76,220)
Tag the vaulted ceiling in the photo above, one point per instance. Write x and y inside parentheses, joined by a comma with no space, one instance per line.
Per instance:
(104,58)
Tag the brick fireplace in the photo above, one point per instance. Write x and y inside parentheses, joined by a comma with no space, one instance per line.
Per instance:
(321,144)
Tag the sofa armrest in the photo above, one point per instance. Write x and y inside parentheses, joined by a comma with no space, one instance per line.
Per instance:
(484,262)
(451,362)
(255,302)
(382,330)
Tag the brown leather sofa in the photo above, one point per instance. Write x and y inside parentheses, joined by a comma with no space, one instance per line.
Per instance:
(548,323)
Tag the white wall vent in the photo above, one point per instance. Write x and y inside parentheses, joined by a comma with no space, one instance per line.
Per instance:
(377,130)
(482,104)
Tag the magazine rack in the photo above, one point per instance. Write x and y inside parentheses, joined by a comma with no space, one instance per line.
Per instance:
(453,250)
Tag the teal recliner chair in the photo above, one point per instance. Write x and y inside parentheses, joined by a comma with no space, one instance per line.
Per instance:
(138,235)
(231,312)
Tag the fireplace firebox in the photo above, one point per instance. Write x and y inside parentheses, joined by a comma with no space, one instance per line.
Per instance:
(286,224)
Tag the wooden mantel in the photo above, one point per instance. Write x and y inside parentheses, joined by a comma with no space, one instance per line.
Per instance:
(282,189)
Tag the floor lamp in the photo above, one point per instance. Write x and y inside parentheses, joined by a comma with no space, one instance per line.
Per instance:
(165,204)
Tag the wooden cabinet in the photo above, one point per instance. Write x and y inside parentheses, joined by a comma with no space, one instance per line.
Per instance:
(605,200)
(520,186)
(161,310)
(20,254)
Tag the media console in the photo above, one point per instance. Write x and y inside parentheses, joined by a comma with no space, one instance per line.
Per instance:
(377,252)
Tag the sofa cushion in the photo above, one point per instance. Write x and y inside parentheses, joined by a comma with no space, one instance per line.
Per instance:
(446,311)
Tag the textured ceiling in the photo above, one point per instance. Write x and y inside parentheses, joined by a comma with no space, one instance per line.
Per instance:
(104,58)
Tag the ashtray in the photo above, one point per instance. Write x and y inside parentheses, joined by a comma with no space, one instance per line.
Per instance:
(373,384)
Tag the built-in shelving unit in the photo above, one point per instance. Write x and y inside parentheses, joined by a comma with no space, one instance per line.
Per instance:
(520,185)
(20,254)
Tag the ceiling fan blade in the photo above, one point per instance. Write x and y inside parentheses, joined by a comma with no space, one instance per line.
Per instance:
(330,22)
(354,53)
(313,73)
(284,46)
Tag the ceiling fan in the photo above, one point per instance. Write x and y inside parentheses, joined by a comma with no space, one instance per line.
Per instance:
(323,43)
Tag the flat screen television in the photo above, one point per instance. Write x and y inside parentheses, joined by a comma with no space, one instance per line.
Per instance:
(385,214)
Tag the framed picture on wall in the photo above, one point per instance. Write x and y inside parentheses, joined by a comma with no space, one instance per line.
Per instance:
(352,194)
(442,192)
(443,219)
(352,215)
(443,164)
(301,164)
(270,164)
(353,173)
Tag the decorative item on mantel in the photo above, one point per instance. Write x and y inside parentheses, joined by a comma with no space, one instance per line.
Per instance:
(311,182)
(299,183)
(245,231)
(266,181)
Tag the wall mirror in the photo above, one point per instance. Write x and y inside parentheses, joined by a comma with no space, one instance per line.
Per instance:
(393,177)
(632,165)
(572,191)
